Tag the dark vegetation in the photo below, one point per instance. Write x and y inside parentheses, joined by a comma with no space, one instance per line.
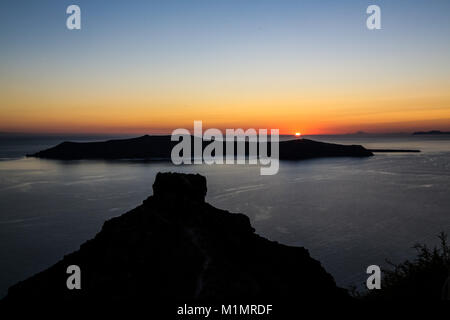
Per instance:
(426,278)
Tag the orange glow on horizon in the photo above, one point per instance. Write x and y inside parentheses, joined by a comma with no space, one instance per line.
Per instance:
(112,108)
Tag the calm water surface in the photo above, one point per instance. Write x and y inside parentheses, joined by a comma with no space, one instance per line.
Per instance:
(349,213)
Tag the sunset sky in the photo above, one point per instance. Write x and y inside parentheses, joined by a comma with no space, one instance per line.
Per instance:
(153,66)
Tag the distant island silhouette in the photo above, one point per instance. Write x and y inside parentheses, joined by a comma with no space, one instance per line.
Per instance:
(432,132)
(159,148)
(393,150)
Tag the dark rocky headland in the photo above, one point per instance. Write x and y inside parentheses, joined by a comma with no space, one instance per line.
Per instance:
(431,132)
(176,247)
(160,147)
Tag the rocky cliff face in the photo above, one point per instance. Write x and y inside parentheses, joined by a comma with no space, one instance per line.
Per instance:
(176,247)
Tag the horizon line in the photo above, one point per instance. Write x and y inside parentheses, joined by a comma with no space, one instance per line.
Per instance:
(168,134)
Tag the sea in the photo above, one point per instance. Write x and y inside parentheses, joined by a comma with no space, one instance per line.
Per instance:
(349,213)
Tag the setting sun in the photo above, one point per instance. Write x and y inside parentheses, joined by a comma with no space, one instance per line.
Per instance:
(298,134)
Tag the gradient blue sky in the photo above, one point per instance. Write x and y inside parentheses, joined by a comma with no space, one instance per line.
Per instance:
(156,65)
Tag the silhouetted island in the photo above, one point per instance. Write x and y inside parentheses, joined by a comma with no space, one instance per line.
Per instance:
(432,132)
(393,150)
(176,247)
(160,147)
